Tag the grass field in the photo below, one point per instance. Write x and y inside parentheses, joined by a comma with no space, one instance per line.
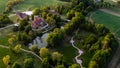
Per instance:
(3,5)
(68,51)
(16,57)
(110,21)
(31,4)
(4,35)
(114,9)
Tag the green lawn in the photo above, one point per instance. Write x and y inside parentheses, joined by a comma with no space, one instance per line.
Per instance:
(68,51)
(31,4)
(4,35)
(3,52)
(3,5)
(17,57)
(115,9)
(110,21)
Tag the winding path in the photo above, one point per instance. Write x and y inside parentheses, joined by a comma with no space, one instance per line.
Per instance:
(24,51)
(79,61)
(6,26)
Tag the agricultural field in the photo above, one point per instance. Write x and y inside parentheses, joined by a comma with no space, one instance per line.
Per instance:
(110,21)
(31,4)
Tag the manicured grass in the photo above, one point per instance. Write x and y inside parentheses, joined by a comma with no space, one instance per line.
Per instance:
(115,9)
(17,57)
(3,5)
(68,51)
(110,21)
(4,35)
(31,4)
(3,52)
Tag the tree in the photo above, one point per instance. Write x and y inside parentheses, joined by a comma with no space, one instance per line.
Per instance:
(43,15)
(90,39)
(74,66)
(57,17)
(23,38)
(34,48)
(36,11)
(54,38)
(27,29)
(57,56)
(4,20)
(6,60)
(31,34)
(17,48)
(70,14)
(16,65)
(101,29)
(50,21)
(45,63)
(29,63)
(60,66)
(44,52)
(93,64)
(11,40)
(22,25)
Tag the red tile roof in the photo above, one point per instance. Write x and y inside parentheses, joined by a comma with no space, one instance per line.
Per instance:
(21,15)
(38,22)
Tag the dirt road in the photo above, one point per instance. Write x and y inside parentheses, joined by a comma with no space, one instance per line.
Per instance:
(110,12)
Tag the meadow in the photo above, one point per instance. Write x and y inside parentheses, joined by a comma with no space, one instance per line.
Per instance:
(31,4)
(110,21)
(17,57)
(3,5)
(4,35)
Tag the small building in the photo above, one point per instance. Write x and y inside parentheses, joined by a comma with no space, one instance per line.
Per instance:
(21,16)
(38,23)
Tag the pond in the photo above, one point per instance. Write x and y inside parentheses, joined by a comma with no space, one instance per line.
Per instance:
(39,41)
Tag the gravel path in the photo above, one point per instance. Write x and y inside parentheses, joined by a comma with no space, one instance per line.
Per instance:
(24,51)
(79,61)
(110,12)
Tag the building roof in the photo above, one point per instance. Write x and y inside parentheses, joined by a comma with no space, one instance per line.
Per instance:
(38,22)
(21,15)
